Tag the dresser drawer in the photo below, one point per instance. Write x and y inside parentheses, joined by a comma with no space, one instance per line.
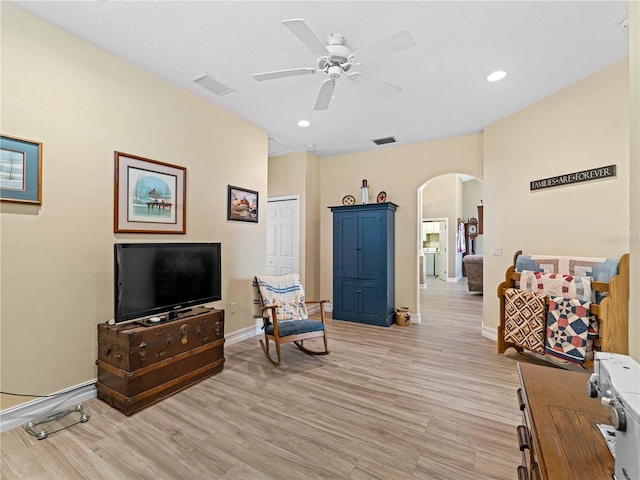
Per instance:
(525,442)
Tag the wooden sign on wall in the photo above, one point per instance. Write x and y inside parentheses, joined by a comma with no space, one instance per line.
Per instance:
(577,177)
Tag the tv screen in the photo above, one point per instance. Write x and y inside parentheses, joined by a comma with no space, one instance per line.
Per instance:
(157,278)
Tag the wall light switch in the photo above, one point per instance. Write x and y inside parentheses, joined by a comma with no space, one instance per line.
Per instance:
(232,307)
(496,251)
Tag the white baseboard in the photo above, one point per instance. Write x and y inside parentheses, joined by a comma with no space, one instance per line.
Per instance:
(490,332)
(26,412)
(415,318)
(454,280)
(244,333)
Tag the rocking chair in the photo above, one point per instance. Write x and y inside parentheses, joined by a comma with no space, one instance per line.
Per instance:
(282,306)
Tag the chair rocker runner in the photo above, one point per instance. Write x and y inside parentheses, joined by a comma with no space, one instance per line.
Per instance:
(283,310)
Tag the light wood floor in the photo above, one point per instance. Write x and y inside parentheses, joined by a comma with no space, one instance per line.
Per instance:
(428,401)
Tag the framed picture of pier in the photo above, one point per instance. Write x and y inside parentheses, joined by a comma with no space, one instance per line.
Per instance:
(20,170)
(149,196)
(242,204)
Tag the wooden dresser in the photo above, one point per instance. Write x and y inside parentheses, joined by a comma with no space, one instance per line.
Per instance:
(559,438)
(140,365)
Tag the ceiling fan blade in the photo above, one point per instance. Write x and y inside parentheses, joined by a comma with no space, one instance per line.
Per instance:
(383,88)
(325,95)
(301,30)
(389,45)
(283,73)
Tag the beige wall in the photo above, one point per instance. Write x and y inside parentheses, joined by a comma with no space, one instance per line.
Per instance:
(634,79)
(298,173)
(83,104)
(584,126)
(400,171)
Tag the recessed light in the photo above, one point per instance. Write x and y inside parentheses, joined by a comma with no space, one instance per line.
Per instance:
(304,123)
(495,76)
(311,145)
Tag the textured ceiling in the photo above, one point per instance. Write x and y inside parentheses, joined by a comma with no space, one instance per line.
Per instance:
(543,45)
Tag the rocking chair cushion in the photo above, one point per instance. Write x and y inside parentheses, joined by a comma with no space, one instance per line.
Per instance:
(295,327)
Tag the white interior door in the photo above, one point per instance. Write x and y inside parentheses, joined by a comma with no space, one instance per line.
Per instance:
(283,235)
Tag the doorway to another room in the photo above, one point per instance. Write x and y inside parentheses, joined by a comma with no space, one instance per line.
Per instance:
(434,249)
(447,206)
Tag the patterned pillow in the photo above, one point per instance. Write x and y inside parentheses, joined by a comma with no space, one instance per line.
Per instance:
(287,312)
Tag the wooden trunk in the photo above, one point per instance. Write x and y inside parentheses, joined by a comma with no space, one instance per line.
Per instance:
(138,365)
(132,346)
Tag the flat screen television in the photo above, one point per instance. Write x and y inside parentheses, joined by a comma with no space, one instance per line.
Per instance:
(164,278)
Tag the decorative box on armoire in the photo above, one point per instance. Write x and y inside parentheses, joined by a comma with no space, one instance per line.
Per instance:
(363,263)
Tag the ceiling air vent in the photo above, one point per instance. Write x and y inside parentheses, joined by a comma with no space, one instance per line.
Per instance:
(382,141)
(212,84)
(276,147)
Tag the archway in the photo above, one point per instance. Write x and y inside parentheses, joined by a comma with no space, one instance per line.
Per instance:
(448,198)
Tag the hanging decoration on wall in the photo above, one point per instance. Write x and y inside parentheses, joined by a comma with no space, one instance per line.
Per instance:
(242,204)
(149,197)
(20,170)
(577,177)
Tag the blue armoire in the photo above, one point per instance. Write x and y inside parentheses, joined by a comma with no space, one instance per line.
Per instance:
(363,263)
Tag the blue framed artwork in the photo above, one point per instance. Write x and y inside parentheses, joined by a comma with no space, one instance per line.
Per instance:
(149,196)
(20,170)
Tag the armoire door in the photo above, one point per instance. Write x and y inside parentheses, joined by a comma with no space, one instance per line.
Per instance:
(370,238)
(345,245)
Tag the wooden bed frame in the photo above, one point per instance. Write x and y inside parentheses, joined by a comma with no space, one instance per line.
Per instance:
(612,312)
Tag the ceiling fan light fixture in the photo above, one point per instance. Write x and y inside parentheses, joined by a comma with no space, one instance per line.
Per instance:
(304,123)
(497,75)
(335,59)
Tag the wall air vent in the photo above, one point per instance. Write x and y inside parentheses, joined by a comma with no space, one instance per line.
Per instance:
(382,141)
(212,84)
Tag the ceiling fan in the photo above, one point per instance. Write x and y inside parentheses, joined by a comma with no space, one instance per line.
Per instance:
(335,59)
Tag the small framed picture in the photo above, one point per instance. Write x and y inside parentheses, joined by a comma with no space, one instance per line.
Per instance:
(242,204)
(20,170)
(149,196)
